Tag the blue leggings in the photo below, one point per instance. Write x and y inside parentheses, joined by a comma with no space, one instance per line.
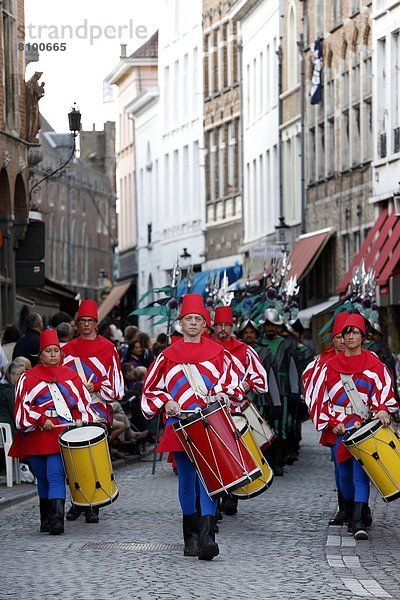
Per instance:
(49,471)
(353,481)
(188,483)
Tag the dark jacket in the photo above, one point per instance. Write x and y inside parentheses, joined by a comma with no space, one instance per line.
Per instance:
(7,404)
(28,346)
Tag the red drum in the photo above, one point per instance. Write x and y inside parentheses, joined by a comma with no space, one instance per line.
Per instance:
(215,447)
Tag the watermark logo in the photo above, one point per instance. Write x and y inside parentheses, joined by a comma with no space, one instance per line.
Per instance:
(83,31)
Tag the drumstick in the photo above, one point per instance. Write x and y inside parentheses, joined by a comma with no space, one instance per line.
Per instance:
(90,378)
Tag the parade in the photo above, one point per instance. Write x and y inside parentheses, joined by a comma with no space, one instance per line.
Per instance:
(199,299)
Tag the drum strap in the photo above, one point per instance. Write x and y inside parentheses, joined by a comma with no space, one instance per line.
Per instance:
(195,380)
(59,403)
(353,395)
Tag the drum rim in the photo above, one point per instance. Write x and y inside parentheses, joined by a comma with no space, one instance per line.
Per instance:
(236,484)
(99,504)
(254,494)
(362,434)
(246,427)
(82,443)
(196,416)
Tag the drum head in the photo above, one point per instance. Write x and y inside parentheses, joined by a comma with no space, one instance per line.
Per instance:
(364,431)
(240,422)
(79,435)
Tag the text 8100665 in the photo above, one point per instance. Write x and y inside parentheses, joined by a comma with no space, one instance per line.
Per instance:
(43,47)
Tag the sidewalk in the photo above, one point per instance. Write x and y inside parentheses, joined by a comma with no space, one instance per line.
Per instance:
(18,493)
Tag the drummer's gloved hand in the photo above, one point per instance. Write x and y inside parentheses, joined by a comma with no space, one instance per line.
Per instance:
(222,397)
(78,423)
(383,416)
(172,408)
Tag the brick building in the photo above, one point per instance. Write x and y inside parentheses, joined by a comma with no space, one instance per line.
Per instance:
(222,129)
(18,148)
(339,148)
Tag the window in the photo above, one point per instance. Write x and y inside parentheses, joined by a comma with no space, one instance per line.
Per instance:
(211,154)
(345,140)
(195,84)
(210,64)
(229,50)
(321,151)
(331,147)
(346,251)
(9,44)
(356,135)
(186,91)
(381,81)
(175,182)
(166,98)
(395,91)
(319,18)
(221,163)
(336,12)
(220,51)
(230,156)
(176,94)
(186,175)
(311,153)
(166,187)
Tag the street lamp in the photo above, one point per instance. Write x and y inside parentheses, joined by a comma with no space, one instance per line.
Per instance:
(74,120)
(281,233)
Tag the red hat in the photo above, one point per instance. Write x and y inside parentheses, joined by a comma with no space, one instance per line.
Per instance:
(355,321)
(192,304)
(223,314)
(48,337)
(207,317)
(339,322)
(88,308)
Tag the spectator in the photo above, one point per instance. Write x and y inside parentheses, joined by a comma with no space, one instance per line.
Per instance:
(61,317)
(116,335)
(7,393)
(129,335)
(3,360)
(138,419)
(11,336)
(64,333)
(135,354)
(22,360)
(128,371)
(28,344)
(147,350)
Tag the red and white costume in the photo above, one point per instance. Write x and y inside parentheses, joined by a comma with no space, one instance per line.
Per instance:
(34,404)
(98,361)
(247,362)
(212,372)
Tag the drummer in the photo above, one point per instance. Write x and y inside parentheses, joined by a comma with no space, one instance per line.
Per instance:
(97,363)
(247,362)
(372,395)
(49,397)
(189,374)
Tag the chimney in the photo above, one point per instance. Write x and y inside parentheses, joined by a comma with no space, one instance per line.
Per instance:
(123,51)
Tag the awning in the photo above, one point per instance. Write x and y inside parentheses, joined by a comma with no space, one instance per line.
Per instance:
(308,313)
(201,278)
(112,299)
(306,251)
(380,250)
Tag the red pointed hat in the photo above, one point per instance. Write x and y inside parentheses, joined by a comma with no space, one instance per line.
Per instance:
(88,308)
(48,337)
(355,321)
(223,314)
(192,304)
(339,322)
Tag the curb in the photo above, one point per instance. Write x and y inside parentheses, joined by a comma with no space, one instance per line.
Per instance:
(18,497)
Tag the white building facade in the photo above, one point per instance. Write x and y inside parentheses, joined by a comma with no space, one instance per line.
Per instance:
(181,208)
(259,37)
(386,98)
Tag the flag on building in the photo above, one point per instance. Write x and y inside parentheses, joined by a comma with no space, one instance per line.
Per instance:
(316,81)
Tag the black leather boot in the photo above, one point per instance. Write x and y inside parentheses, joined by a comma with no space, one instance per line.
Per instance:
(208,548)
(358,525)
(191,535)
(73,513)
(367,515)
(340,517)
(56,516)
(91,514)
(44,515)
(348,507)
(230,505)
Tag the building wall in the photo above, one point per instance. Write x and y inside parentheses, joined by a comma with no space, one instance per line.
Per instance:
(386,91)
(339,146)
(181,125)
(222,131)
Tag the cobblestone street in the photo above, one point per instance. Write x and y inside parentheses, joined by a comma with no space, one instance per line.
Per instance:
(278,547)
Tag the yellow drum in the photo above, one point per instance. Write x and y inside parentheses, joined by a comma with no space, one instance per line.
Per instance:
(262,483)
(262,432)
(377,449)
(88,466)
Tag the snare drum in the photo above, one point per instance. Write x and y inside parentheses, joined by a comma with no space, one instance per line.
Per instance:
(262,432)
(88,466)
(260,485)
(213,444)
(377,449)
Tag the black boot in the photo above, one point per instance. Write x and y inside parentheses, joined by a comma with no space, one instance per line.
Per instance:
(44,515)
(340,517)
(367,515)
(73,513)
(91,514)
(208,548)
(358,525)
(348,507)
(56,516)
(191,535)
(218,513)
(230,505)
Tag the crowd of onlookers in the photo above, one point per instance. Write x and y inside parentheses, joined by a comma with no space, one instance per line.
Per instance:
(19,352)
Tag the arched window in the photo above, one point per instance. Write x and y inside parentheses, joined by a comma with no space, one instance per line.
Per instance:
(292,48)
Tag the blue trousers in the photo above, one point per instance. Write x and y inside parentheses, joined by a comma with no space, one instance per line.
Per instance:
(353,481)
(188,483)
(50,475)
